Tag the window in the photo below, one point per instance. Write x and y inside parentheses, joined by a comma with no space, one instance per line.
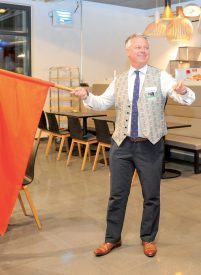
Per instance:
(15,38)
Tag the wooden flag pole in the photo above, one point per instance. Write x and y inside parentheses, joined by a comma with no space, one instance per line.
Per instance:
(63,87)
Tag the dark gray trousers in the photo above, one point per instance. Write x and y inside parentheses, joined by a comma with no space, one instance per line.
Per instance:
(147,159)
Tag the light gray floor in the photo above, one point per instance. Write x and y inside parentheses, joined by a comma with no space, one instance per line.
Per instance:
(72,207)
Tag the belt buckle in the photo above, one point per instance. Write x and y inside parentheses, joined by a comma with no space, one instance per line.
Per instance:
(133,139)
(137,139)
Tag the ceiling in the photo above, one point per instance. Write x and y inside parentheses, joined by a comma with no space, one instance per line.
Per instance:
(138,4)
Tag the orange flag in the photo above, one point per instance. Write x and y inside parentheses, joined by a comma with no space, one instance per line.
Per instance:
(21,102)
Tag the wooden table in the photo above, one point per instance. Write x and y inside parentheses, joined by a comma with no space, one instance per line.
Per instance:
(174,125)
(108,119)
(83,115)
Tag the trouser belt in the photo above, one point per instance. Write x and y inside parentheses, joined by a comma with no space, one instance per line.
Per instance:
(137,139)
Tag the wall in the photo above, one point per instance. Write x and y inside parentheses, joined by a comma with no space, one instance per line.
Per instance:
(105,31)
(105,28)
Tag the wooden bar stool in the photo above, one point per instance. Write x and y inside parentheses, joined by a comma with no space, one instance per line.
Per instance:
(76,134)
(55,131)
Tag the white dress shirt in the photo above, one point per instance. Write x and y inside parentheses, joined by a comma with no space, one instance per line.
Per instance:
(107,99)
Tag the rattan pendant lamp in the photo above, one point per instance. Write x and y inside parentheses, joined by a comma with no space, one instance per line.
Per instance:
(156,28)
(180,28)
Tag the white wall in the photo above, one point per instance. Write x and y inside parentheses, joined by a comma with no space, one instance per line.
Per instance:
(105,28)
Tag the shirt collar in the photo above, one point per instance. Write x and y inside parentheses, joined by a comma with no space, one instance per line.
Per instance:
(142,70)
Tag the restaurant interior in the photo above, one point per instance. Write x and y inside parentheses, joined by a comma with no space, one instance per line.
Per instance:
(59,215)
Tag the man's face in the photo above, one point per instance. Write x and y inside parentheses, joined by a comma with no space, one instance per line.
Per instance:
(138,52)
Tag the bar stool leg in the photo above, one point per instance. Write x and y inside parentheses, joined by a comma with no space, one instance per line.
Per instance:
(96,157)
(70,152)
(85,157)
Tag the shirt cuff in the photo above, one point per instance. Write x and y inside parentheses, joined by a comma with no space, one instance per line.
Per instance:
(87,101)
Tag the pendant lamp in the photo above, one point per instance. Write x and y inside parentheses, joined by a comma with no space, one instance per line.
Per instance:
(156,28)
(168,13)
(180,28)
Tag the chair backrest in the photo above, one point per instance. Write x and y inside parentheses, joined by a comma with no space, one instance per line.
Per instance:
(75,128)
(43,122)
(31,163)
(102,131)
(52,123)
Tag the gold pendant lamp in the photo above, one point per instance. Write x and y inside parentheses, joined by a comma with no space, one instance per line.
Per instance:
(156,28)
(180,28)
(168,13)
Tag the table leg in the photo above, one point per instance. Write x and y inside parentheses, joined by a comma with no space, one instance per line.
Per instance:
(84,126)
(168,173)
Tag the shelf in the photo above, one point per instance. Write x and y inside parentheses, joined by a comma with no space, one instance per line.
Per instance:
(65,78)
(61,100)
(189,53)
(187,57)
(69,98)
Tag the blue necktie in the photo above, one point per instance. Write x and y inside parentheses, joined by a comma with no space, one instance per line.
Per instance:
(134,115)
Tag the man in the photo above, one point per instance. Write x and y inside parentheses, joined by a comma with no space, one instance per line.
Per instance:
(137,142)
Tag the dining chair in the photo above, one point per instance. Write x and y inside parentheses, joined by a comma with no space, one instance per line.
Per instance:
(104,140)
(56,132)
(78,138)
(42,126)
(28,178)
(103,135)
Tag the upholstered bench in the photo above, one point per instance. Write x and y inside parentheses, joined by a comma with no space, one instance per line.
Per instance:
(189,138)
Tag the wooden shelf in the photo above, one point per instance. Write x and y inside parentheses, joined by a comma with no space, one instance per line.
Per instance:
(187,57)
(61,100)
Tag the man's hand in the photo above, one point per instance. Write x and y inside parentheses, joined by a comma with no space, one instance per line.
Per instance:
(179,88)
(80,92)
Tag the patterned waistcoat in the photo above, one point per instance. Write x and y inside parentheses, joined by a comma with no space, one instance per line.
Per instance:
(150,107)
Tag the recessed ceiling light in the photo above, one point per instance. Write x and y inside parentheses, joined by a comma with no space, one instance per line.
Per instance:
(2,11)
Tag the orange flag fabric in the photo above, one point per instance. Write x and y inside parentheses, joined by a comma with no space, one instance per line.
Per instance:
(21,102)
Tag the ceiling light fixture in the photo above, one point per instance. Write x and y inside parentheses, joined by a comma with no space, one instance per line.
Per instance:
(168,13)
(2,11)
(156,28)
(180,28)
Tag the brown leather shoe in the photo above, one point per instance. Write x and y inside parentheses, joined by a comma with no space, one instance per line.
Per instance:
(105,248)
(150,248)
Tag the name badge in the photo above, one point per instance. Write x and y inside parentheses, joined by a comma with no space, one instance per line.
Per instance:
(151,92)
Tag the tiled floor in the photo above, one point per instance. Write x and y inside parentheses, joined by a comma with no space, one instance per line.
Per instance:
(72,208)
